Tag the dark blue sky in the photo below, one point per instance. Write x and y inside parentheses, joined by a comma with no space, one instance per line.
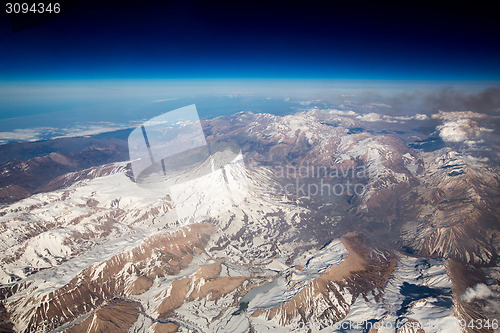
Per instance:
(252,39)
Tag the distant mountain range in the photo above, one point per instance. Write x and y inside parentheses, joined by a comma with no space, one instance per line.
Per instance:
(84,249)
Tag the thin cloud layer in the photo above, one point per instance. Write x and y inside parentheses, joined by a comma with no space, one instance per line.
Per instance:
(45,133)
(373,117)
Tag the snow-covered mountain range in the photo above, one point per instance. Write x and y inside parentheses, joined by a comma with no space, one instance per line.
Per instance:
(413,247)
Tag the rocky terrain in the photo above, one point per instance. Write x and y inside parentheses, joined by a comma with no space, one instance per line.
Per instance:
(27,167)
(414,248)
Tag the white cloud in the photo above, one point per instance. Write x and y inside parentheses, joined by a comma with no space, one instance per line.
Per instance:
(307,103)
(458,130)
(370,117)
(479,291)
(420,116)
(332,111)
(342,113)
(459,126)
